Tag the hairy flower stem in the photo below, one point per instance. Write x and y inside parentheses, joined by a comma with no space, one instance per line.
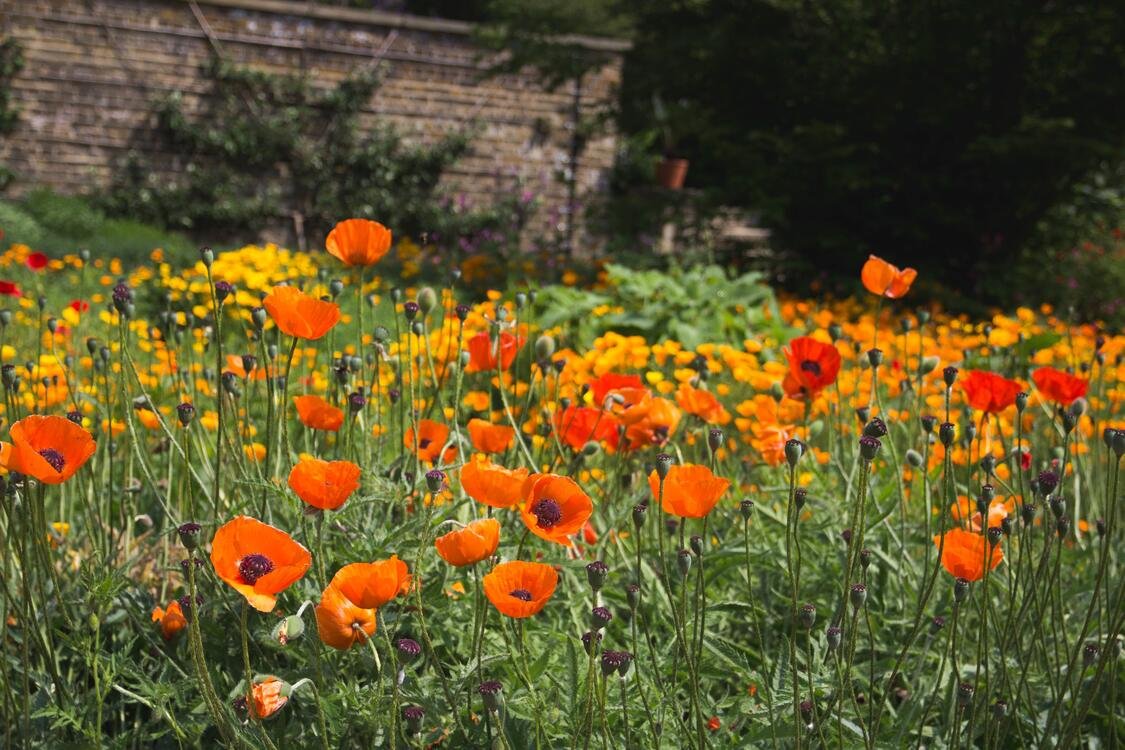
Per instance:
(764,671)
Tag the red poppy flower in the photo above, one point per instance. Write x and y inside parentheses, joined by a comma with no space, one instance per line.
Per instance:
(37,261)
(611,381)
(1059,386)
(491,438)
(324,484)
(886,280)
(556,508)
(300,315)
(520,589)
(471,544)
(340,623)
(690,490)
(48,448)
(79,306)
(964,553)
(484,353)
(10,289)
(317,414)
(492,484)
(813,366)
(269,695)
(432,437)
(578,425)
(371,585)
(171,620)
(989,392)
(358,242)
(257,560)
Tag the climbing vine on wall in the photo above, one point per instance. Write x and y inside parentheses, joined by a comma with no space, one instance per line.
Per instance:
(11,62)
(262,148)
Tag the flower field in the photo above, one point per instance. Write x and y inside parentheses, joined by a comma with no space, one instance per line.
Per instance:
(274,499)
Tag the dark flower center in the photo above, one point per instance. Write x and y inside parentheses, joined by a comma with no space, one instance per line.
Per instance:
(522,594)
(54,458)
(424,443)
(548,513)
(252,567)
(810,366)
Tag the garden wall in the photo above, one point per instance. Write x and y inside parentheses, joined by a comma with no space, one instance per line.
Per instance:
(95,67)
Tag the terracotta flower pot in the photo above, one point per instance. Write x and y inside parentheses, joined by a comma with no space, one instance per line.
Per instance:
(670,173)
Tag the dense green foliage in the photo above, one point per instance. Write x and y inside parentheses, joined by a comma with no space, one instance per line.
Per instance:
(11,62)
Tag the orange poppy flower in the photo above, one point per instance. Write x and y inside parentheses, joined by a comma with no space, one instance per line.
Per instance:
(324,484)
(520,589)
(491,483)
(702,404)
(358,242)
(690,490)
(317,414)
(491,438)
(630,405)
(470,545)
(611,381)
(371,585)
(171,620)
(1059,386)
(660,421)
(989,392)
(299,314)
(257,560)
(886,280)
(432,437)
(964,553)
(813,366)
(340,623)
(269,696)
(48,448)
(578,425)
(485,354)
(556,508)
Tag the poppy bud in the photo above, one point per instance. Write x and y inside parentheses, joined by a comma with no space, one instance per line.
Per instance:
(1099,524)
(492,693)
(960,590)
(356,402)
(800,495)
(408,650)
(1057,504)
(1027,513)
(869,447)
(1062,527)
(613,661)
(1078,407)
(271,352)
(876,428)
(863,414)
(410,310)
(995,534)
(858,595)
(929,364)
(418,328)
(1006,525)
(794,449)
(591,448)
(965,693)
(714,439)
(249,363)
(663,465)
(427,300)
(288,629)
(696,542)
(988,464)
(74,416)
(865,557)
(207,255)
(833,637)
(776,392)
(807,615)
(461,311)
(412,717)
(936,624)
(189,534)
(949,375)
(396,294)
(223,289)
(914,458)
(846,535)
(987,493)
(928,422)
(435,478)
(1090,653)
(595,574)
(875,357)
(544,347)
(1119,443)
(591,640)
(633,595)
(639,512)
(501,316)
(186,413)
(683,562)
(746,508)
(835,332)
(947,432)
(1069,420)
(999,710)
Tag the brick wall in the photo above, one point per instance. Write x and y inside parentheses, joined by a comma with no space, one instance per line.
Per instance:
(95,67)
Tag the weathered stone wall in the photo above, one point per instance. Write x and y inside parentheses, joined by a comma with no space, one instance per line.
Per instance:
(94,68)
